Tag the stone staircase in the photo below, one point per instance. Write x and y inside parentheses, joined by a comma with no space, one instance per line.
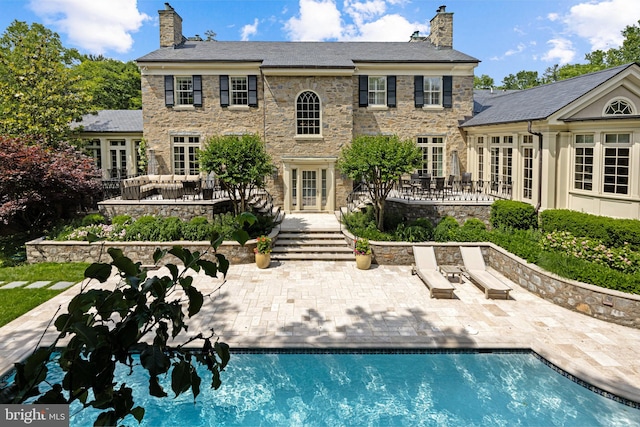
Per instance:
(311,245)
(307,237)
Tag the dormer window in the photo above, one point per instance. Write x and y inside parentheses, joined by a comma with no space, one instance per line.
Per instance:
(619,107)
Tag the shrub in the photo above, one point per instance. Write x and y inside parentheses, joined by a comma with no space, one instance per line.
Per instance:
(363,224)
(121,219)
(145,228)
(473,230)
(523,243)
(446,230)
(588,272)
(170,229)
(622,259)
(93,219)
(611,232)
(420,230)
(197,229)
(511,214)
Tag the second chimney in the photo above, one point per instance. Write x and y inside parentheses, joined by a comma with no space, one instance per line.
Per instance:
(441,27)
(170,27)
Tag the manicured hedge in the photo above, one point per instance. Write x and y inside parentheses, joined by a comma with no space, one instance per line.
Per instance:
(611,232)
(511,214)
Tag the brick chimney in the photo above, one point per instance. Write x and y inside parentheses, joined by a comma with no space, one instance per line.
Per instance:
(170,27)
(441,27)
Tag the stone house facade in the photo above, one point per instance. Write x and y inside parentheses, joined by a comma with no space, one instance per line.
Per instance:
(306,100)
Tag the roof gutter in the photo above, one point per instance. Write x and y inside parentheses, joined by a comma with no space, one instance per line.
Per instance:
(539,135)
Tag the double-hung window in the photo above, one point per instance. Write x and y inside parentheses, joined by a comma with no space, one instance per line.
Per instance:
(239,90)
(377,90)
(616,163)
(433,91)
(432,148)
(583,163)
(185,155)
(527,158)
(183,91)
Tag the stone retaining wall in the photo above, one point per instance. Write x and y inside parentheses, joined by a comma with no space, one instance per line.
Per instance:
(601,303)
(183,209)
(41,250)
(435,211)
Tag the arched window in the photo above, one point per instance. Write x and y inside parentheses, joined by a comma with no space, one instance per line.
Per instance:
(308,114)
(619,107)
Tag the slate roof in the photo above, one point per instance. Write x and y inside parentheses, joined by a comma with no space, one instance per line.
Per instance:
(112,121)
(307,54)
(537,103)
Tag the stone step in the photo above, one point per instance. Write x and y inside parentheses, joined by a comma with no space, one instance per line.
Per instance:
(313,257)
(310,235)
(312,249)
(310,242)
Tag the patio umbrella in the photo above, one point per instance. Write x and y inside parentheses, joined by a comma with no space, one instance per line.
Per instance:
(455,164)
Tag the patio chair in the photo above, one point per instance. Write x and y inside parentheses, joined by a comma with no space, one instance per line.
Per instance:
(439,186)
(476,269)
(466,183)
(448,187)
(426,267)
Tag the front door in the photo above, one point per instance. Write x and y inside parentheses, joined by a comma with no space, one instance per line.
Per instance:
(309,190)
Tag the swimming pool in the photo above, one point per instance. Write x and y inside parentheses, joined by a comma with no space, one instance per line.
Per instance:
(382,389)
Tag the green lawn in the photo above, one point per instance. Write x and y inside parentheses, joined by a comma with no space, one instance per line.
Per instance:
(16,302)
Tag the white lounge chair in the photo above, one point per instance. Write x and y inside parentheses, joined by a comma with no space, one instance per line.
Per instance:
(476,269)
(426,267)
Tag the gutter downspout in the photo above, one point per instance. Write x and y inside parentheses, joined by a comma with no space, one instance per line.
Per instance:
(539,135)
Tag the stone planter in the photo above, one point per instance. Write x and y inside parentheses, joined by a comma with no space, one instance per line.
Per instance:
(363,262)
(263,260)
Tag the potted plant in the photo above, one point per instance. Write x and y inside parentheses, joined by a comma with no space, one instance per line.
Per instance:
(362,250)
(263,251)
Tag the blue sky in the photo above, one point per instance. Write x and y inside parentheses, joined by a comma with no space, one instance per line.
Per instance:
(506,35)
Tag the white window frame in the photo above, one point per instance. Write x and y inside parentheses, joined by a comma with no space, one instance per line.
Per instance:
(432,90)
(183,90)
(308,126)
(614,180)
(433,155)
(617,111)
(584,151)
(239,96)
(377,90)
(184,153)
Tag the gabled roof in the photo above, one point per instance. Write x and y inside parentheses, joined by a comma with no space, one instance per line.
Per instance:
(537,103)
(112,121)
(307,54)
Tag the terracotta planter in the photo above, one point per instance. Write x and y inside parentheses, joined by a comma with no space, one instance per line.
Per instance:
(263,260)
(363,262)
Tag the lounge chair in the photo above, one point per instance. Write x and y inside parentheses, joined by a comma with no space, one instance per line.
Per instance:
(426,268)
(477,271)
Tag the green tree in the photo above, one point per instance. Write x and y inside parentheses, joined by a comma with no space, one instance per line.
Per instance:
(39,94)
(379,161)
(111,84)
(483,82)
(241,164)
(521,80)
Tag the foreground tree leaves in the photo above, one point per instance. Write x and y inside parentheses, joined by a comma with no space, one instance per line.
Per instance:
(104,327)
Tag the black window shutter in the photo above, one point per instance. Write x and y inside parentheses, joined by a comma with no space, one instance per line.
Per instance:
(418,91)
(447,91)
(364,91)
(224,91)
(168,91)
(197,91)
(253,91)
(391,91)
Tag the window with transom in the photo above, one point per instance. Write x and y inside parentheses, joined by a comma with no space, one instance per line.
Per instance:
(432,148)
(185,155)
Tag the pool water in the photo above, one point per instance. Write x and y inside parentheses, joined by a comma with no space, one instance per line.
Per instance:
(388,389)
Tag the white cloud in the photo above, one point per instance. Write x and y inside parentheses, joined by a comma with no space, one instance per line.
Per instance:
(519,49)
(96,26)
(601,22)
(318,20)
(367,20)
(249,30)
(562,50)
(553,17)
